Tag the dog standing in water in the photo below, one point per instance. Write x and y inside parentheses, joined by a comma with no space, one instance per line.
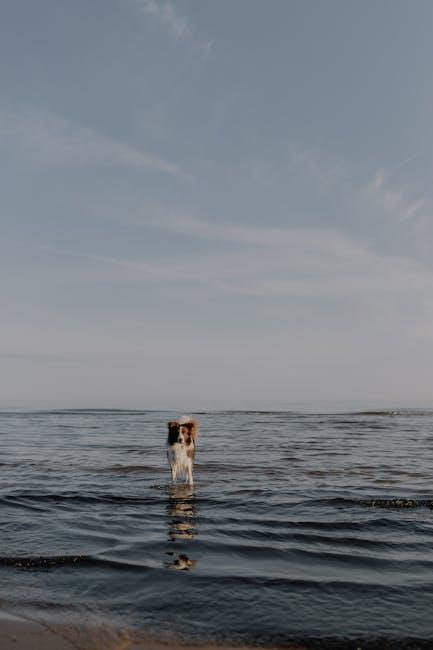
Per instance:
(181,444)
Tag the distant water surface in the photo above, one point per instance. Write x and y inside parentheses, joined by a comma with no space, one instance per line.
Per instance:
(300,526)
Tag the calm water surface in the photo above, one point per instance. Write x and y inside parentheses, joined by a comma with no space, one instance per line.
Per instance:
(299,527)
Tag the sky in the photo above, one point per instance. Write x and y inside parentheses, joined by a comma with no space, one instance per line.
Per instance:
(221,202)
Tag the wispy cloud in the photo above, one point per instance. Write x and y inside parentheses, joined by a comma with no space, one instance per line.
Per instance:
(265,261)
(50,140)
(324,173)
(378,181)
(299,261)
(385,192)
(395,201)
(177,25)
(404,162)
(166,14)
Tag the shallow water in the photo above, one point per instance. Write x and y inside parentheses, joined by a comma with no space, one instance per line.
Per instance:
(299,527)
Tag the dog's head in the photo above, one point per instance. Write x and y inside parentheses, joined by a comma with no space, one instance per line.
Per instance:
(183,431)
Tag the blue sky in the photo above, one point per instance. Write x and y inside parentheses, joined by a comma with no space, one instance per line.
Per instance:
(216,202)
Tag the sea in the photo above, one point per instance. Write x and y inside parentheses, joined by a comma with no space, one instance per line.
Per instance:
(301,527)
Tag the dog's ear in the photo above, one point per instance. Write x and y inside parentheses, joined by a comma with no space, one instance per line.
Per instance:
(193,428)
(171,425)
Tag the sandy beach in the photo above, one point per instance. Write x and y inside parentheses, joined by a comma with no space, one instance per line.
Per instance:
(18,634)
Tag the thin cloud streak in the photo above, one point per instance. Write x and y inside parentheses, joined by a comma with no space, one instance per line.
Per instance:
(175,24)
(300,262)
(166,14)
(310,263)
(394,202)
(380,192)
(50,140)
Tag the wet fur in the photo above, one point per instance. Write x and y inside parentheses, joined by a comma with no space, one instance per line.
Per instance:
(181,446)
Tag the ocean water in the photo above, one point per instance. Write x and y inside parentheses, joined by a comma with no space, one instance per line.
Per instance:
(316,528)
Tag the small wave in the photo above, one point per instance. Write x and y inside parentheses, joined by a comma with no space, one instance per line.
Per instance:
(25,498)
(53,561)
(29,499)
(395,413)
(78,411)
(132,469)
(219,468)
(358,643)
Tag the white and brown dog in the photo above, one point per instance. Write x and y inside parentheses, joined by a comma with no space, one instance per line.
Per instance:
(181,444)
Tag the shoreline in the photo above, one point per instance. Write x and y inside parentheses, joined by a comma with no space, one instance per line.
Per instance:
(30,634)
(23,634)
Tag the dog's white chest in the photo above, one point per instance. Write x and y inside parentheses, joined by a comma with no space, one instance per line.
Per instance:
(178,457)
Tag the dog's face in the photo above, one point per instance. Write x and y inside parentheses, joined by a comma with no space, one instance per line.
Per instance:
(174,433)
(180,433)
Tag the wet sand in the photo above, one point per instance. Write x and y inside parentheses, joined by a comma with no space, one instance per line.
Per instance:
(25,634)
(16,634)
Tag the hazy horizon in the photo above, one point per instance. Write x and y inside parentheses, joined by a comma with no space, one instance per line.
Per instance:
(242,406)
(215,202)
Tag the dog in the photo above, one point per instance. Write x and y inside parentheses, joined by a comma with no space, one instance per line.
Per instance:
(181,445)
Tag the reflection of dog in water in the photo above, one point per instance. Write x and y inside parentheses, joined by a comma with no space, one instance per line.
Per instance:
(181,444)
(181,562)
(182,513)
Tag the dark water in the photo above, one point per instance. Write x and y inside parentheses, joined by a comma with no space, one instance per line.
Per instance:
(300,527)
